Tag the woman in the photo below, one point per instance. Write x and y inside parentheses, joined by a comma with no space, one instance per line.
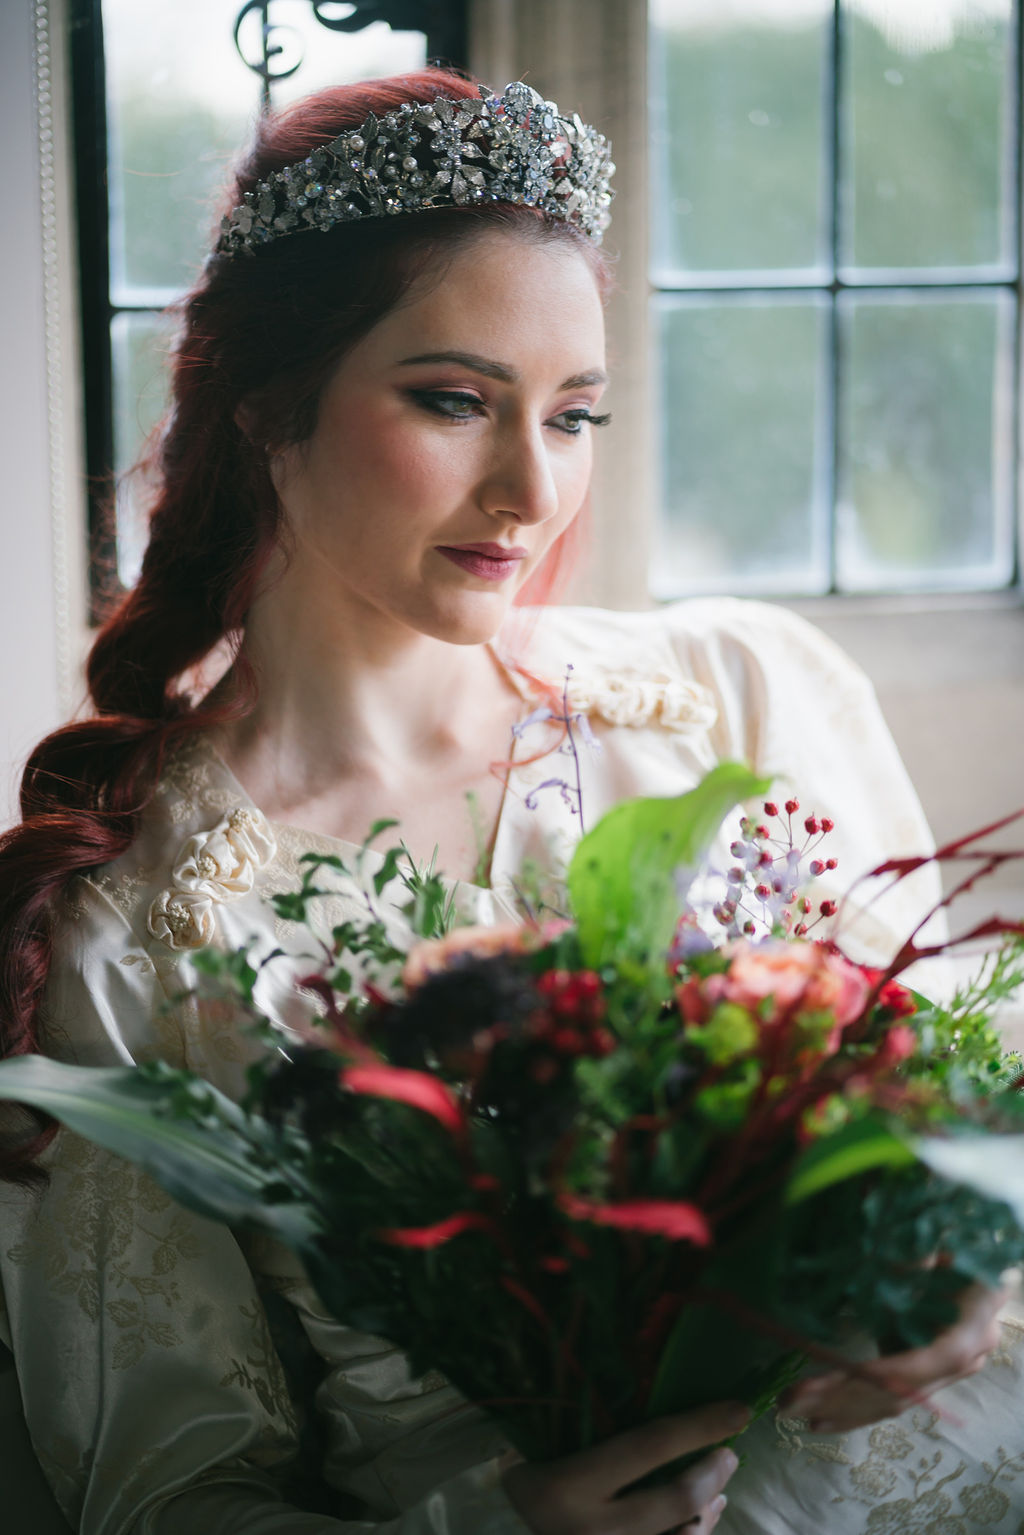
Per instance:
(380,442)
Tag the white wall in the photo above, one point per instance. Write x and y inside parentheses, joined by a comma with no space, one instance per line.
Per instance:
(28,648)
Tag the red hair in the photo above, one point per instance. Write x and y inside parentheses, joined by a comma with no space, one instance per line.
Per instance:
(264,333)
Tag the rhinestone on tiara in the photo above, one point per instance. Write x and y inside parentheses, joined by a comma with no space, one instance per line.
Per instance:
(514,148)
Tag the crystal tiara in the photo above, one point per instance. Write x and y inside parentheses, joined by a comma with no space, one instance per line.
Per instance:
(513,148)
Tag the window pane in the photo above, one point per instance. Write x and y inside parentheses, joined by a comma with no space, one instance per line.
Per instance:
(926,441)
(139,344)
(928,135)
(332,58)
(739,120)
(180,103)
(744,401)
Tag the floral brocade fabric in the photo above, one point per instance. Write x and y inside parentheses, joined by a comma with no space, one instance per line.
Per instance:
(953,1467)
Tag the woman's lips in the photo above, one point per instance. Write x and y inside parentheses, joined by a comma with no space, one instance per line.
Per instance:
(491,561)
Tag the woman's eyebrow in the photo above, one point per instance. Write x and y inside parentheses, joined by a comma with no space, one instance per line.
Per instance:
(500,370)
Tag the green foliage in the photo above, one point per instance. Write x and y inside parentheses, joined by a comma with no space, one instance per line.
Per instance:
(193,1141)
(233,970)
(547,1146)
(430,909)
(865,1144)
(625,877)
(867,1252)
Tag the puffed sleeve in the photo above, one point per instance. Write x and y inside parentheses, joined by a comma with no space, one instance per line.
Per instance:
(153,1394)
(795,706)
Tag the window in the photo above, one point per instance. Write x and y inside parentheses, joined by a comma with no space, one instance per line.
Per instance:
(835,258)
(162,106)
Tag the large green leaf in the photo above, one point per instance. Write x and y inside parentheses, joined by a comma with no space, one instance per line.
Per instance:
(624,877)
(710,1353)
(207,1166)
(857,1148)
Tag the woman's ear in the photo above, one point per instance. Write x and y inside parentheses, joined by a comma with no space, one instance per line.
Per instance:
(245,420)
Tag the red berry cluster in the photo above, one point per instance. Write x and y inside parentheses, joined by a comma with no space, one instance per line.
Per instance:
(571,1022)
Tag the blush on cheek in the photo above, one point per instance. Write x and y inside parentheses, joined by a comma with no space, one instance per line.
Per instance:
(388,457)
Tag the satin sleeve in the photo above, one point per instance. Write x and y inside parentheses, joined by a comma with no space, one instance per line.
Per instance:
(152,1391)
(798,709)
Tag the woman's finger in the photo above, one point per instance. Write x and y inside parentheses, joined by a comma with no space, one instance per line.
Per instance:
(954,1352)
(707,1520)
(686,1503)
(856,1404)
(618,1462)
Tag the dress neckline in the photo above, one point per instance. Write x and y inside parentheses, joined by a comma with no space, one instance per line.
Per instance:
(290,832)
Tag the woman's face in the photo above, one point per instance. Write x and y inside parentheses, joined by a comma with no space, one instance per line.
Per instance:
(452,445)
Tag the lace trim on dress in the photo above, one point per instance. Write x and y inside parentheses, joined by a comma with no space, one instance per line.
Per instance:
(632,696)
(621,698)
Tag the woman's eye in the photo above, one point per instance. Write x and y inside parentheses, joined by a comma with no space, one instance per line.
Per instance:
(572,421)
(455,405)
(448,402)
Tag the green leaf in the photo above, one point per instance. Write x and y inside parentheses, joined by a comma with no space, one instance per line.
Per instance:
(207,1166)
(232,968)
(624,876)
(858,1147)
(385,824)
(324,861)
(388,869)
(711,1353)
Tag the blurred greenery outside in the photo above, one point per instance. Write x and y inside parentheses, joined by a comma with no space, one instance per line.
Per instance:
(920,496)
(924,409)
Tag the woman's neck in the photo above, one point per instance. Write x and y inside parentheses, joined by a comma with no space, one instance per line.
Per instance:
(372,722)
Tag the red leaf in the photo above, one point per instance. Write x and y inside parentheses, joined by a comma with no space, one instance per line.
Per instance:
(404,1086)
(671,1218)
(436,1235)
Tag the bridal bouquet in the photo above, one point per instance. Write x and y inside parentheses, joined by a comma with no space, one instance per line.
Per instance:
(615,1164)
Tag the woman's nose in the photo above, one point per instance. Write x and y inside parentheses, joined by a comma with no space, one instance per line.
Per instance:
(520,480)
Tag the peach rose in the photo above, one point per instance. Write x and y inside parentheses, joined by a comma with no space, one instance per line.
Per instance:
(806,977)
(436,954)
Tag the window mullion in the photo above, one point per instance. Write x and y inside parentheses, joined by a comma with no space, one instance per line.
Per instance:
(834,161)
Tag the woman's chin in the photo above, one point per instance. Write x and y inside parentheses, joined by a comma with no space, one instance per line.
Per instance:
(474,619)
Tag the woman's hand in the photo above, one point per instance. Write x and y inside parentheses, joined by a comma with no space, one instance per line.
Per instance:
(837,1401)
(579,1495)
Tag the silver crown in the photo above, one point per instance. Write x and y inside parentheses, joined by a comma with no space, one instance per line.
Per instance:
(514,148)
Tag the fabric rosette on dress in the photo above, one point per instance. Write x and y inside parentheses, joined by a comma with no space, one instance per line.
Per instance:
(213,866)
(658,698)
